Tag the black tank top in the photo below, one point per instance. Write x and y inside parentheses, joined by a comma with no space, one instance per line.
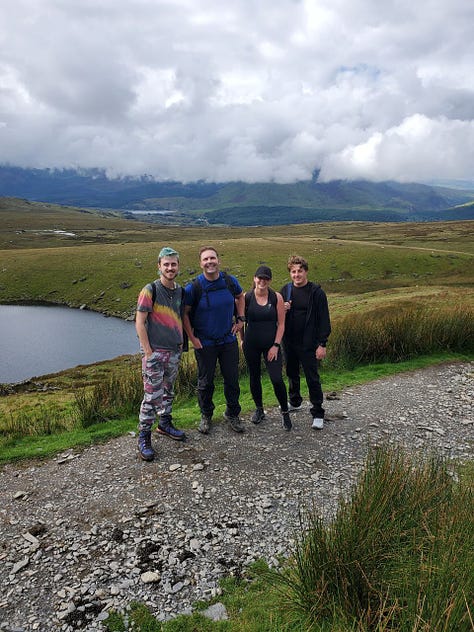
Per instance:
(261,322)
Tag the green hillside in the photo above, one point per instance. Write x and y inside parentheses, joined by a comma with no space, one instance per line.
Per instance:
(67,256)
(241,204)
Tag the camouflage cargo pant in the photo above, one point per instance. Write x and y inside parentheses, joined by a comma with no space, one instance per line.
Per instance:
(159,373)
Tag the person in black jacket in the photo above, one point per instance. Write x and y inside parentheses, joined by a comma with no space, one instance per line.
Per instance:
(307,328)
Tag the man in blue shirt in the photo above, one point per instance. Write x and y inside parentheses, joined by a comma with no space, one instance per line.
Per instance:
(210,303)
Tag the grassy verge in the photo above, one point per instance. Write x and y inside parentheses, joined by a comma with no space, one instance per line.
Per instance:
(398,555)
(19,446)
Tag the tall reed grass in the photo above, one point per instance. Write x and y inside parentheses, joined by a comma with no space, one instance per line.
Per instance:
(390,335)
(39,421)
(398,555)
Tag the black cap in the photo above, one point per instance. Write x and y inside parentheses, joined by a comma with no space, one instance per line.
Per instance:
(264,272)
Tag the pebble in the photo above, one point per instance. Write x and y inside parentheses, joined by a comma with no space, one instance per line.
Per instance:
(149,577)
(98,529)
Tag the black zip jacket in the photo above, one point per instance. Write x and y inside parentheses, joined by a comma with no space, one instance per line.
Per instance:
(318,323)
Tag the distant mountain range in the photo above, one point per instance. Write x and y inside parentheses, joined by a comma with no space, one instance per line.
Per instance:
(238,203)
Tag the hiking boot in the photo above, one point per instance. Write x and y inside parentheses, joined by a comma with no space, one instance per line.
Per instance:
(258,416)
(234,422)
(145,449)
(204,425)
(318,423)
(167,428)
(293,408)
(287,425)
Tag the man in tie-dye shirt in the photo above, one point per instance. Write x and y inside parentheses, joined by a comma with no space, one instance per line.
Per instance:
(159,327)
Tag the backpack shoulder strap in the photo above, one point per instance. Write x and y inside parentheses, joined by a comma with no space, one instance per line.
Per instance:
(183,294)
(197,290)
(197,293)
(288,291)
(185,335)
(153,293)
(229,283)
(272,297)
(248,297)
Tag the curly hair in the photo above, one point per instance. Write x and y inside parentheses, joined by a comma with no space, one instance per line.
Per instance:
(296,260)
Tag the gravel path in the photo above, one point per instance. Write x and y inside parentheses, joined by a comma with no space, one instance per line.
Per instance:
(90,531)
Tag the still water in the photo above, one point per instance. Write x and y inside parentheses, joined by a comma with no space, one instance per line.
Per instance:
(36,340)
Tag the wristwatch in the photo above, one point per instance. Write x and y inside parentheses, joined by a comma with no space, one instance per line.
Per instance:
(240,319)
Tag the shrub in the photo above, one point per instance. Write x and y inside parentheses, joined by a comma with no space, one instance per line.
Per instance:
(117,395)
(398,554)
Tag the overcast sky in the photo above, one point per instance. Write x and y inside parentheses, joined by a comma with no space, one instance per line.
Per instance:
(252,90)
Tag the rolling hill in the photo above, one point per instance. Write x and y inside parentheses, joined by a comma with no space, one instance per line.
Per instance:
(239,203)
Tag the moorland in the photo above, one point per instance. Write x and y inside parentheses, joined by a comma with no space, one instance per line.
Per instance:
(73,256)
(400,295)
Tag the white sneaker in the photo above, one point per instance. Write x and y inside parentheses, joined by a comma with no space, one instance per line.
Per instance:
(318,423)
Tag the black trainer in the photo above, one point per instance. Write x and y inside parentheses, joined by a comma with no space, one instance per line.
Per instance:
(287,425)
(258,416)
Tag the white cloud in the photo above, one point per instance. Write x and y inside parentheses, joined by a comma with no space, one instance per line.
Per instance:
(253,91)
(414,150)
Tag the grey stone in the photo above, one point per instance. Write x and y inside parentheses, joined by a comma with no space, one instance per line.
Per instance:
(216,612)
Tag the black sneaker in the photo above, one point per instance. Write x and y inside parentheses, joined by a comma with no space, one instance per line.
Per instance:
(167,429)
(235,423)
(287,425)
(258,416)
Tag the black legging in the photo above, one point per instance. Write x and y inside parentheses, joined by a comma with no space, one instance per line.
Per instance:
(253,356)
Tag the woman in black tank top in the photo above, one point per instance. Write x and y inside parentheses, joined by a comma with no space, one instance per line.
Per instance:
(265,324)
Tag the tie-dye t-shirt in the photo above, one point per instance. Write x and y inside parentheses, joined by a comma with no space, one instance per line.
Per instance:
(164,325)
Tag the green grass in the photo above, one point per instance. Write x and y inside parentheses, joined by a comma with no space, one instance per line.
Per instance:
(397,334)
(109,260)
(398,555)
